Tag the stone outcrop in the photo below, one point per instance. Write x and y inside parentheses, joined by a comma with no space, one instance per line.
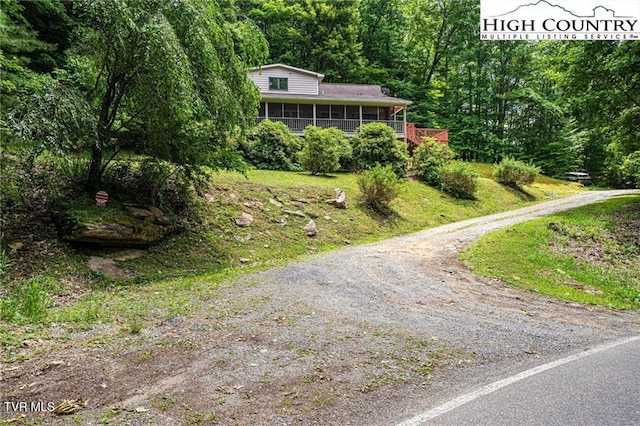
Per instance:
(136,226)
(294,213)
(340,201)
(310,229)
(244,220)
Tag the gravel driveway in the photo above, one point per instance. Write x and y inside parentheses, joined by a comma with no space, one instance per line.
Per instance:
(369,335)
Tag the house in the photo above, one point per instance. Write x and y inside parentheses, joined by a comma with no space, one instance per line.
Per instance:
(299,98)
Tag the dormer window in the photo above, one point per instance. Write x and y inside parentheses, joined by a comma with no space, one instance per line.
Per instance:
(279,83)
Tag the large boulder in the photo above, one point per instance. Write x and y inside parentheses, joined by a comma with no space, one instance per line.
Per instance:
(134,225)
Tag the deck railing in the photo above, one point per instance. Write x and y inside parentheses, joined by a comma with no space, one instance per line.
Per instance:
(415,134)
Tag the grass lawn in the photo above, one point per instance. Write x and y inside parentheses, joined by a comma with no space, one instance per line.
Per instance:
(177,274)
(589,255)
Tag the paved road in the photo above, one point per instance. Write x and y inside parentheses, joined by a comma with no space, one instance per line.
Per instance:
(596,387)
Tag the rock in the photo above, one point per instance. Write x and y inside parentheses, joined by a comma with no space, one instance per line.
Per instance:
(243,239)
(295,213)
(340,201)
(244,220)
(252,204)
(148,213)
(310,229)
(275,203)
(107,267)
(136,226)
(244,260)
(116,235)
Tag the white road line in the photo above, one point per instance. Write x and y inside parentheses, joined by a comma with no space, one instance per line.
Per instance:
(461,400)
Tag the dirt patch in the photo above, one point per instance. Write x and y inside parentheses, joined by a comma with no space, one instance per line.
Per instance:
(609,249)
(368,335)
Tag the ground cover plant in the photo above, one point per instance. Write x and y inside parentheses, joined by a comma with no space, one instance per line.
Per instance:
(209,245)
(515,172)
(429,158)
(324,149)
(182,278)
(379,186)
(376,144)
(588,255)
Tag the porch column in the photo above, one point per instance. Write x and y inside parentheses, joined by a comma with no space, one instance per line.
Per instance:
(314,114)
(404,123)
(266,109)
(360,106)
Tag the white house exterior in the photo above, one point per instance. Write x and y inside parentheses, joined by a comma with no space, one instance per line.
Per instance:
(299,98)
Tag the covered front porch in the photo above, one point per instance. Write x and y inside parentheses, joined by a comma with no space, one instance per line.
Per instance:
(347,118)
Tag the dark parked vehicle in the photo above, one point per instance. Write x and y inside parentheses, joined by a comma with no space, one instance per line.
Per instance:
(579,177)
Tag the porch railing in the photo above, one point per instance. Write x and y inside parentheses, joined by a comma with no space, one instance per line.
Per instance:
(346,125)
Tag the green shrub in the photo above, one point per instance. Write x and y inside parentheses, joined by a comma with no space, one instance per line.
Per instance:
(147,181)
(379,186)
(376,144)
(459,180)
(323,149)
(274,147)
(28,192)
(515,173)
(630,171)
(27,301)
(429,158)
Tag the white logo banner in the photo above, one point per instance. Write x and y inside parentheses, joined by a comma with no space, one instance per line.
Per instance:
(560,19)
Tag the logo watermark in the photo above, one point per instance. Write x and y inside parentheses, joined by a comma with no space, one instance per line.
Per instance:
(560,19)
(28,406)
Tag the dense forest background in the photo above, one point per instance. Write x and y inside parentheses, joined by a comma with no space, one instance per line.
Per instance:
(168,78)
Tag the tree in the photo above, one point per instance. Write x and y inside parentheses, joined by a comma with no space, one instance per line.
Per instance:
(381,33)
(167,78)
(601,85)
(319,35)
(50,20)
(19,43)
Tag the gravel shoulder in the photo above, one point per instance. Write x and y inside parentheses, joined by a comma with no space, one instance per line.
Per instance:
(368,335)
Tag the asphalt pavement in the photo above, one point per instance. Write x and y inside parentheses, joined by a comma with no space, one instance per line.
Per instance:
(599,387)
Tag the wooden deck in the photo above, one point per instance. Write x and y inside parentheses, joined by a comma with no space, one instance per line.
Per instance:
(415,135)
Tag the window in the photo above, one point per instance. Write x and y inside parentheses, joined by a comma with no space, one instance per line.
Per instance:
(291,110)
(353,112)
(275,110)
(370,113)
(306,111)
(337,112)
(278,83)
(322,111)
